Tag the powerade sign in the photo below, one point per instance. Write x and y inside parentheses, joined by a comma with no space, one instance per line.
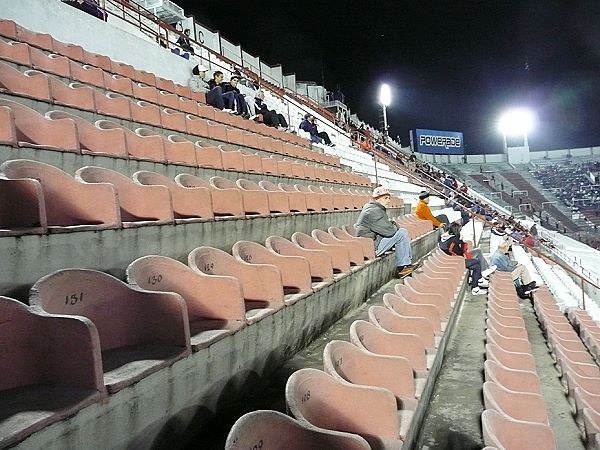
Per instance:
(439,142)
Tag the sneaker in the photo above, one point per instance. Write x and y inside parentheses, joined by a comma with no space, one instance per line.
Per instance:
(405,272)
(530,290)
(478,291)
(230,111)
(252,117)
(486,273)
(483,283)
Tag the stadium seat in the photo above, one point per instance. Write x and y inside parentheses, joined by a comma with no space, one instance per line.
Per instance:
(93,139)
(168,100)
(57,373)
(294,270)
(15,52)
(32,84)
(87,74)
(140,332)
(217,131)
(516,405)
(212,316)
(274,430)
(395,323)
(35,130)
(190,204)
(208,156)
(367,245)
(504,433)
(260,285)
(319,261)
(144,112)
(117,83)
(179,150)
(111,104)
(196,126)
(145,92)
(61,202)
(233,159)
(420,298)
(255,202)
(403,307)
(279,200)
(225,201)
(252,162)
(340,259)
(513,380)
(296,199)
(319,399)
(172,119)
(51,63)
(139,204)
(276,201)
(325,198)
(355,251)
(355,365)
(188,106)
(367,336)
(138,146)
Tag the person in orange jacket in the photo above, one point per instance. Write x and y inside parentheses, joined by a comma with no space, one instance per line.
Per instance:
(423,212)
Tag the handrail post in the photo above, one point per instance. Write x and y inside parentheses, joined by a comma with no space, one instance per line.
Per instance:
(582,294)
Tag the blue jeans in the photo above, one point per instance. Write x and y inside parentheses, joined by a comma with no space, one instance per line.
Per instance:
(475,269)
(401,241)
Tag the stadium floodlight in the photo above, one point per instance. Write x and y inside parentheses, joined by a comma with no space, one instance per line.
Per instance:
(516,122)
(385,95)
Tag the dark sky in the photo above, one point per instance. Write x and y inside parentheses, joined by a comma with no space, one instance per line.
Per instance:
(452,65)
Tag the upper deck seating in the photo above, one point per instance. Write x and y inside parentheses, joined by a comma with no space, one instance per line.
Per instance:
(140,332)
(212,315)
(51,368)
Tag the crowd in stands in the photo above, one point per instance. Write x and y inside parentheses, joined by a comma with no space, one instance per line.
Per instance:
(89,6)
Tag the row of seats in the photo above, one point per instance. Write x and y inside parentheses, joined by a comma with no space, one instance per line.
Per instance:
(73,62)
(61,131)
(579,372)
(83,343)
(38,197)
(366,396)
(515,415)
(51,90)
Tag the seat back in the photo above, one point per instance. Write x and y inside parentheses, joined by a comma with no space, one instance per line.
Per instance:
(517,405)
(274,430)
(501,431)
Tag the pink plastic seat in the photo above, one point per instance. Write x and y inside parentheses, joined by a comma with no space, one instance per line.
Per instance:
(123,69)
(51,63)
(260,285)
(511,360)
(140,332)
(313,201)
(93,139)
(516,405)
(217,131)
(188,106)
(87,74)
(32,84)
(319,261)
(168,99)
(118,83)
(326,198)
(211,318)
(252,162)
(274,430)
(278,198)
(145,146)
(75,95)
(367,245)
(393,322)
(196,126)
(355,249)
(255,202)
(57,199)
(144,112)
(355,365)
(232,159)
(208,156)
(367,336)
(225,202)
(16,52)
(57,373)
(269,165)
(403,307)
(505,433)
(420,298)
(189,203)
(319,399)
(144,77)
(514,380)
(172,119)
(34,130)
(145,92)
(340,259)
(179,150)
(294,270)
(296,199)
(112,105)
(139,204)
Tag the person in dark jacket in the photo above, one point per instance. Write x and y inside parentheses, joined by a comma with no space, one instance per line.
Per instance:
(240,103)
(216,97)
(309,125)
(184,42)
(374,223)
(270,117)
(452,244)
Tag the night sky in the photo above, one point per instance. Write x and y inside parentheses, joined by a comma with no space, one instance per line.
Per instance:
(453,65)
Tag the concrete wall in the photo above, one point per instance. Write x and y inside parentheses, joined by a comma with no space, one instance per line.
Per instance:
(159,409)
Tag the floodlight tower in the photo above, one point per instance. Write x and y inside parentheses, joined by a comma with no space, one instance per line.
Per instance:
(385,99)
(516,122)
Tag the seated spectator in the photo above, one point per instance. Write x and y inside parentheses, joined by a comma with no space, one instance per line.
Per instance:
(197,82)
(218,98)
(520,275)
(374,223)
(270,117)
(423,212)
(184,42)
(89,6)
(161,40)
(451,244)
(309,125)
(528,240)
(240,103)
